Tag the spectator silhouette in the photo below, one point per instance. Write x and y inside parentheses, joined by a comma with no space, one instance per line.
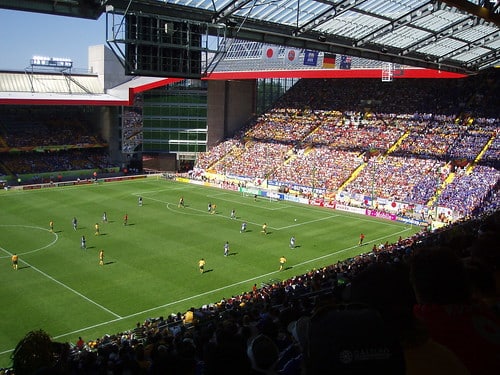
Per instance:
(445,307)
(386,287)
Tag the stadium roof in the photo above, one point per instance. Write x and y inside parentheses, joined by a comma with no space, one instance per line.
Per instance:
(25,88)
(461,36)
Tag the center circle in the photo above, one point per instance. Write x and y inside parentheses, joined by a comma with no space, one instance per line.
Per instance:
(10,235)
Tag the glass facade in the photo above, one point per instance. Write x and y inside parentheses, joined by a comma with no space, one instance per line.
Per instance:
(175,119)
(269,90)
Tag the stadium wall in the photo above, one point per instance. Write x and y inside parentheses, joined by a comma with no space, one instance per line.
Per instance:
(102,61)
(229,105)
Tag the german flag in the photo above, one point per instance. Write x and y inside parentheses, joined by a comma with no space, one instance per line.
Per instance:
(329,61)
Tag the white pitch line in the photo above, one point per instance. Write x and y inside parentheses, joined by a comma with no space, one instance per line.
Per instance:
(308,222)
(66,286)
(239,220)
(30,251)
(351,247)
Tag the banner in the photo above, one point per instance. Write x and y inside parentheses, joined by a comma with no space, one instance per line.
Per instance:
(291,56)
(269,53)
(329,61)
(345,62)
(380,214)
(310,57)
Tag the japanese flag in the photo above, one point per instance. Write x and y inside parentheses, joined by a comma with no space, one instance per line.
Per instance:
(269,53)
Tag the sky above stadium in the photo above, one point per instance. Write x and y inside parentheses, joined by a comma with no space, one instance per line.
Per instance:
(24,35)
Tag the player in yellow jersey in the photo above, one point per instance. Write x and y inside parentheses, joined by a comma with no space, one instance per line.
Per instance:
(282,262)
(15,259)
(101,257)
(201,265)
(51,226)
(264,229)
(97,230)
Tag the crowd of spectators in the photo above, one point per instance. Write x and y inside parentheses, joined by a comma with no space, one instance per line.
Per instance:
(23,131)
(468,190)
(40,141)
(132,123)
(414,171)
(257,159)
(331,134)
(56,161)
(318,168)
(284,125)
(206,159)
(398,178)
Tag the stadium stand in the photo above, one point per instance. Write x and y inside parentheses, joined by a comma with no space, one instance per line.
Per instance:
(330,136)
(35,141)
(386,311)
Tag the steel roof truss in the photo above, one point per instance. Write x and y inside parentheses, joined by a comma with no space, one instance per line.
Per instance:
(406,19)
(483,60)
(436,37)
(317,21)
(229,9)
(480,42)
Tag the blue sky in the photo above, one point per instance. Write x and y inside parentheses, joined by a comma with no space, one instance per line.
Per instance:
(24,35)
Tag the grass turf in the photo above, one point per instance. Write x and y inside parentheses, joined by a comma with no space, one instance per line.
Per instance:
(151,264)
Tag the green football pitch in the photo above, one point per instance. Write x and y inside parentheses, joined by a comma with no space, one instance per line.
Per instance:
(151,264)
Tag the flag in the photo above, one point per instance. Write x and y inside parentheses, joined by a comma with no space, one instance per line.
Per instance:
(291,55)
(310,57)
(329,60)
(345,62)
(269,53)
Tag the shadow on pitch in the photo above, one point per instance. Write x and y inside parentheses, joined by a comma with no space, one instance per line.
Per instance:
(210,270)
(235,253)
(108,263)
(22,267)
